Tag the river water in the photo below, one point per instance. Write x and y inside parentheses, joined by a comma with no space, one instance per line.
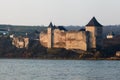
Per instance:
(18,69)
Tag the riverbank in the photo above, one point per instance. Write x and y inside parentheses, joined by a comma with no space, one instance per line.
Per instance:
(36,51)
(108,59)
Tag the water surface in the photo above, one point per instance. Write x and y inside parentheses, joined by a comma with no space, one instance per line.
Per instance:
(18,69)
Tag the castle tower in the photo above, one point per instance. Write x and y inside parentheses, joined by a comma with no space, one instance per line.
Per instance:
(50,31)
(95,38)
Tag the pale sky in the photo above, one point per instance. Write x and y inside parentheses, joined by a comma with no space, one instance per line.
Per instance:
(60,12)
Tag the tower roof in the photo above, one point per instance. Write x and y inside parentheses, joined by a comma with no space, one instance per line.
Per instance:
(51,25)
(62,28)
(94,22)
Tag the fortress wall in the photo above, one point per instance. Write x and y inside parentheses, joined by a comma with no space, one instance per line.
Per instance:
(76,40)
(44,39)
(59,39)
(26,42)
(20,42)
(68,40)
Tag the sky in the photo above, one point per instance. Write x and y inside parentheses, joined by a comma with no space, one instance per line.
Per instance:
(60,12)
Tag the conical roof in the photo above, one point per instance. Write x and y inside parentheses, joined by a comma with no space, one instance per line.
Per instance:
(51,25)
(94,22)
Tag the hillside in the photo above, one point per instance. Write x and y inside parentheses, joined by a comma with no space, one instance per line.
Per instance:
(20,30)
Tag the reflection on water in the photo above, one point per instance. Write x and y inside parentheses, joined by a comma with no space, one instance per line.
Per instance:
(13,69)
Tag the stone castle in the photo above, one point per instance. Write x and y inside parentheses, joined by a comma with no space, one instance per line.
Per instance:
(83,39)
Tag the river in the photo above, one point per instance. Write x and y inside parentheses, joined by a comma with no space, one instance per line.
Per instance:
(25,69)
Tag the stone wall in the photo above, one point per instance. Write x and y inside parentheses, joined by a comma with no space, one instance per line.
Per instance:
(59,39)
(76,40)
(44,39)
(68,40)
(20,42)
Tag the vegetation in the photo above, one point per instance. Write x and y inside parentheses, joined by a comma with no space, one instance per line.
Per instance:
(22,30)
(37,51)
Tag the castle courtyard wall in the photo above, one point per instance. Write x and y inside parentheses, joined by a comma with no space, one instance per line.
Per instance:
(44,39)
(68,40)
(59,39)
(20,42)
(76,40)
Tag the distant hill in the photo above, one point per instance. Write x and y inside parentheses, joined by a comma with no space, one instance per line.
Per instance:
(73,27)
(20,29)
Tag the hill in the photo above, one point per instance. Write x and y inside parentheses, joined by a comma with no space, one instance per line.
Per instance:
(20,29)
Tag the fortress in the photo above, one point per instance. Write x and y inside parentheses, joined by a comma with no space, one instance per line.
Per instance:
(83,39)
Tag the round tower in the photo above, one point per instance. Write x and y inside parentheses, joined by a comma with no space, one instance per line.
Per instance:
(95,37)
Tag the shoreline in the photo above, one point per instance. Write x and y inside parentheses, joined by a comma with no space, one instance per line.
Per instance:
(108,59)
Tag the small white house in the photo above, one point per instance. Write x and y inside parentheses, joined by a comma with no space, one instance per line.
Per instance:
(110,35)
